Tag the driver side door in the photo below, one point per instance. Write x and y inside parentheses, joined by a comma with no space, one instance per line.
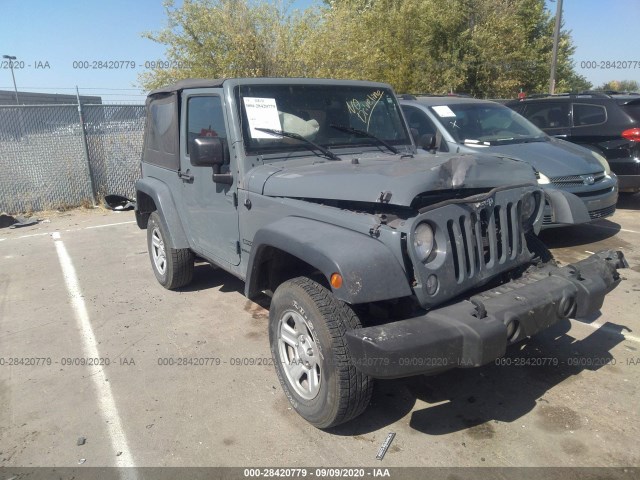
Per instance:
(209,207)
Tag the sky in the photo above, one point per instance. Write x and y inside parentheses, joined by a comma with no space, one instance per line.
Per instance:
(49,36)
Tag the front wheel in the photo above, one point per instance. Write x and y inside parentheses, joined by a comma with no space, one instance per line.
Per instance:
(173,267)
(307,327)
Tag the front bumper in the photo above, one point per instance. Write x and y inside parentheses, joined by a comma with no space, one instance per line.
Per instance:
(572,208)
(476,331)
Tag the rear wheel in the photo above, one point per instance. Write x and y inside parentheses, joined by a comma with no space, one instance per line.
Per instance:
(173,267)
(307,327)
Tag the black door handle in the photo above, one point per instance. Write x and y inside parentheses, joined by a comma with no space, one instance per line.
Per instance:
(185,176)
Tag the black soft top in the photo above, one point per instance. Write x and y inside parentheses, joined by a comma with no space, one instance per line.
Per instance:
(217,83)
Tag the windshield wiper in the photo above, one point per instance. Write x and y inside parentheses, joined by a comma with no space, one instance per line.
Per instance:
(515,140)
(325,151)
(362,133)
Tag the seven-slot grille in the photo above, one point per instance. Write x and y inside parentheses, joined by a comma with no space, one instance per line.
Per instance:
(481,239)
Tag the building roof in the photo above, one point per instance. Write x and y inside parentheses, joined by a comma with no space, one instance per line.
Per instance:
(8,97)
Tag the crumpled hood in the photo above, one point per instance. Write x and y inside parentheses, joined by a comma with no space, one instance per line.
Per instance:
(555,158)
(404,178)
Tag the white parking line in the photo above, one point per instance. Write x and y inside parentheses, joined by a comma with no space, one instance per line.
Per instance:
(67,230)
(34,235)
(613,228)
(107,403)
(108,225)
(27,236)
(598,326)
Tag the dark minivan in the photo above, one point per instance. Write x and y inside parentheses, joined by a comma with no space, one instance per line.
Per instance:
(605,122)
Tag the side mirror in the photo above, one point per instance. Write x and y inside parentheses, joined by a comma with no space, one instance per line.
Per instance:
(211,152)
(427,141)
(207,152)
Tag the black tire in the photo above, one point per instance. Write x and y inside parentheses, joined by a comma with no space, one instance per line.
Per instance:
(343,392)
(539,249)
(178,266)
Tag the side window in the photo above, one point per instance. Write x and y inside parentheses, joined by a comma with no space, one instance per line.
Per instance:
(418,119)
(204,118)
(161,138)
(548,114)
(421,122)
(584,114)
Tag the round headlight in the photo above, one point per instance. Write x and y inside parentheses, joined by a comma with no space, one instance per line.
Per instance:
(528,208)
(423,240)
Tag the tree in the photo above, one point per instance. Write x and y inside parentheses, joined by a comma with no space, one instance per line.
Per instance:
(621,86)
(229,38)
(489,48)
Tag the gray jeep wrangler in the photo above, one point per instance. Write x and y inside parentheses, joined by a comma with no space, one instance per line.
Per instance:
(381,262)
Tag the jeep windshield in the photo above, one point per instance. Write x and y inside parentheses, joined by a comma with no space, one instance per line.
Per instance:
(484,124)
(313,112)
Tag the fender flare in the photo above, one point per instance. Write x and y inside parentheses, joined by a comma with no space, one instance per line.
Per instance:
(161,196)
(369,269)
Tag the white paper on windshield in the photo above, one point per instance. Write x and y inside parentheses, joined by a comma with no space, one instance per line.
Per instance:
(262,113)
(443,111)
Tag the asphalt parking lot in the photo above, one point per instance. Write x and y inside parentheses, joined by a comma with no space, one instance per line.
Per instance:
(81,287)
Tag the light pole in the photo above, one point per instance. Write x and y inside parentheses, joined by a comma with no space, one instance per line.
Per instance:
(554,53)
(11,59)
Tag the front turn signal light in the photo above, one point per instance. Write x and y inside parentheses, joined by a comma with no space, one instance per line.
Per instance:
(336,280)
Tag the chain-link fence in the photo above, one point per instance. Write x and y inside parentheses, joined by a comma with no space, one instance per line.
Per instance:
(114,136)
(54,156)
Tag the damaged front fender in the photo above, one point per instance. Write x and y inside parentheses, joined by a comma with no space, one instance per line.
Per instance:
(369,269)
